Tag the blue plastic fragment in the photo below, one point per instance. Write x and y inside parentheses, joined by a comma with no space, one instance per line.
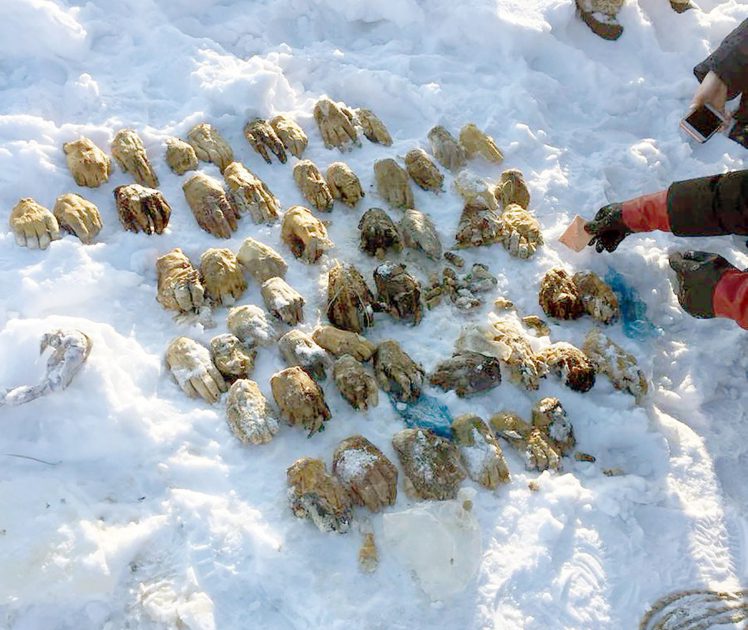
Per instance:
(636,324)
(425,413)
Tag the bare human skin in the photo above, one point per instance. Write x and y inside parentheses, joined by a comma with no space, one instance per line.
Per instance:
(142,209)
(399,292)
(350,304)
(222,276)
(298,348)
(344,184)
(419,233)
(193,369)
(446,149)
(33,225)
(78,216)
(128,150)
(250,195)
(283,301)
(521,233)
(392,183)
(305,234)
(617,364)
(355,384)
(431,464)
(179,285)
(378,233)
(397,373)
(598,298)
(180,156)
(232,358)
(319,496)
(374,129)
(467,373)
(478,226)
(312,185)
(262,138)
(249,415)
(571,364)
(559,297)
(211,207)
(300,399)
(250,324)
(480,451)
(339,342)
(290,134)
(423,171)
(535,445)
(210,146)
(261,261)
(88,164)
(476,142)
(70,349)
(513,189)
(336,128)
(365,472)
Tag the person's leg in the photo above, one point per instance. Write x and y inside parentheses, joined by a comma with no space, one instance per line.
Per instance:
(600,16)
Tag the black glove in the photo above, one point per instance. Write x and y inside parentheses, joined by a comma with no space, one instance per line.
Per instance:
(608,228)
(698,274)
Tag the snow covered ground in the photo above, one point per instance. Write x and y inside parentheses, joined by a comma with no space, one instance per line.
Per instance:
(148,513)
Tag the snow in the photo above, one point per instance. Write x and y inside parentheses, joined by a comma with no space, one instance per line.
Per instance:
(146,512)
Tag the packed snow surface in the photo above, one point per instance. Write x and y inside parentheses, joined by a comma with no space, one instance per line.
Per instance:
(127,505)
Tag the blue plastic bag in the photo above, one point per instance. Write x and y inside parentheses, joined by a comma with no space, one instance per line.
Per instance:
(425,413)
(636,324)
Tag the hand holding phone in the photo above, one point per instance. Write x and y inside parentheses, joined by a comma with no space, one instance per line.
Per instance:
(703,122)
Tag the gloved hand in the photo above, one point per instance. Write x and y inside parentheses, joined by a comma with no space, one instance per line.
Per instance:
(608,228)
(192,367)
(698,274)
(33,225)
(78,216)
(128,150)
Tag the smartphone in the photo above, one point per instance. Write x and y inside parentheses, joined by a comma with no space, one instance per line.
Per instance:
(702,123)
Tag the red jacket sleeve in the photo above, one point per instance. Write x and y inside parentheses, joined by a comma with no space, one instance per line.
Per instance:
(730,298)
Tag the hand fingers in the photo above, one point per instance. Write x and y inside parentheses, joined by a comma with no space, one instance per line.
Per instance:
(217,378)
(53,227)
(20,238)
(183,297)
(200,387)
(188,389)
(43,236)
(32,241)
(198,295)
(212,387)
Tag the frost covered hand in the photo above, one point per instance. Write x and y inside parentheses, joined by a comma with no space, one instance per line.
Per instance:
(88,164)
(261,261)
(210,146)
(398,292)
(283,301)
(250,194)
(344,184)
(476,142)
(142,209)
(298,348)
(365,472)
(374,129)
(418,232)
(392,183)
(180,156)
(467,373)
(340,342)
(312,185)
(521,234)
(192,367)
(480,451)
(512,189)
(250,416)
(250,324)
(300,399)
(262,137)
(336,128)
(319,496)
(290,134)
(78,216)
(222,276)
(423,171)
(378,233)
(397,373)
(304,234)
(128,150)
(179,286)
(33,225)
(210,206)
(232,358)
(350,303)
(446,149)
(355,384)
